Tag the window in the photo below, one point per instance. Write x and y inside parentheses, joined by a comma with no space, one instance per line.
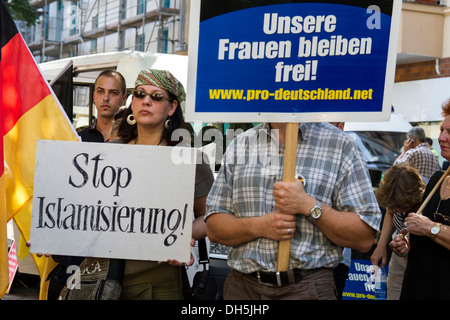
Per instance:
(140,42)
(164,41)
(141,6)
(123,9)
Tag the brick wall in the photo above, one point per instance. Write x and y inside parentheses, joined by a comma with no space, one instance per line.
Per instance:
(422,70)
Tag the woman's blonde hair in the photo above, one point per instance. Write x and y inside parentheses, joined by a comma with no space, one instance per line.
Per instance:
(401,187)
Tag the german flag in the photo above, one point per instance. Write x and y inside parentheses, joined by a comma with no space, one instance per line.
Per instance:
(29,111)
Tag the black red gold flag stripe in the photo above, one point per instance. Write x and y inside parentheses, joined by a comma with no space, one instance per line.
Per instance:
(29,111)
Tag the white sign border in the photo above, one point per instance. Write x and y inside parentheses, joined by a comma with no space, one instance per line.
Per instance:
(104,244)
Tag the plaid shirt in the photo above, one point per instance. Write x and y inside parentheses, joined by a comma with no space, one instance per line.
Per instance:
(423,159)
(335,174)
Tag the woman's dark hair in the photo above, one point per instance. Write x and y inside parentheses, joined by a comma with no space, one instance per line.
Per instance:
(128,132)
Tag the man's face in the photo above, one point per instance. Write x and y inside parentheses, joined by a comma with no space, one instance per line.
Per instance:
(108,96)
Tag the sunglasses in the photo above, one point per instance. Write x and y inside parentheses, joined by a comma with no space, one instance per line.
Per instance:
(155,96)
(442,218)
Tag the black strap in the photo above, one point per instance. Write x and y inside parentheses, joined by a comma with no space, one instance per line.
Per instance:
(204,286)
(203,252)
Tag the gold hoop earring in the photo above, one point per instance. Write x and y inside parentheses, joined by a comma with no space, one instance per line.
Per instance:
(167,124)
(131,120)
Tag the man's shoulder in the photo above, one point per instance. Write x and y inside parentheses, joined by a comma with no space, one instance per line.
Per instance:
(422,149)
(85,132)
(82,129)
(90,134)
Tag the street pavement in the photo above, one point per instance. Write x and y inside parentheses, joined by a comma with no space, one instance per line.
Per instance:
(24,287)
(22,294)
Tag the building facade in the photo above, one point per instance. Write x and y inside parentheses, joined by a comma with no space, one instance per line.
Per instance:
(80,27)
(422,81)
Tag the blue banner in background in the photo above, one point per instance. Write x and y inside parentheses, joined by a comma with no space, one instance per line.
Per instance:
(360,284)
(293,58)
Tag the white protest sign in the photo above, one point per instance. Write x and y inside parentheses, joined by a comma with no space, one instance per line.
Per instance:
(113,200)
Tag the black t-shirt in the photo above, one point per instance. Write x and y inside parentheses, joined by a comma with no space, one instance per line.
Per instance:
(91,134)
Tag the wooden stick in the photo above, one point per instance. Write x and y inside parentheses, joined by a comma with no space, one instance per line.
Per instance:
(290,160)
(424,204)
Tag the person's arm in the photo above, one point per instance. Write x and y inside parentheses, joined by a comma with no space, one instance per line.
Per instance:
(199,226)
(421,225)
(345,229)
(230,230)
(204,179)
(380,252)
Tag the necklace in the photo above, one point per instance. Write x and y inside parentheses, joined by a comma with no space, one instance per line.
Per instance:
(439,204)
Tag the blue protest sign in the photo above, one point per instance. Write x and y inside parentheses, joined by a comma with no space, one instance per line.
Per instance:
(291,61)
(360,284)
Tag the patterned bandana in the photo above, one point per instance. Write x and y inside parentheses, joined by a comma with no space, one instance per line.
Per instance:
(162,79)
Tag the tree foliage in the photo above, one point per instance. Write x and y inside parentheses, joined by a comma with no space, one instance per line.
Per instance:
(22,10)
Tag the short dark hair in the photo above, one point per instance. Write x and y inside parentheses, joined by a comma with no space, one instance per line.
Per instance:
(113,74)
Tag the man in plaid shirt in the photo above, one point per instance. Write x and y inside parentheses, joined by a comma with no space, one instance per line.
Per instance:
(250,209)
(418,153)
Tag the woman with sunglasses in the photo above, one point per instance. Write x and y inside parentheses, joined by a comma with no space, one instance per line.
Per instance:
(428,248)
(155,113)
(400,192)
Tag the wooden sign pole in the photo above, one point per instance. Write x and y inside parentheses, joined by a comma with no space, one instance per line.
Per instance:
(438,184)
(290,159)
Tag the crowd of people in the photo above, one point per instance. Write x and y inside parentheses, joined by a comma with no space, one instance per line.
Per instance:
(249,207)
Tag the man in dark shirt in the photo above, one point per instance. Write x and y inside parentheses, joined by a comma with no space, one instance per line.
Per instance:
(109,96)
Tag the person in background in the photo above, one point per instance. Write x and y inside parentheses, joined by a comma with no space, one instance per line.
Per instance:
(155,113)
(428,248)
(418,154)
(339,125)
(117,120)
(250,210)
(109,96)
(429,142)
(400,192)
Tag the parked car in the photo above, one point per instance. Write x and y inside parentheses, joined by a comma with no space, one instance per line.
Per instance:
(379,142)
